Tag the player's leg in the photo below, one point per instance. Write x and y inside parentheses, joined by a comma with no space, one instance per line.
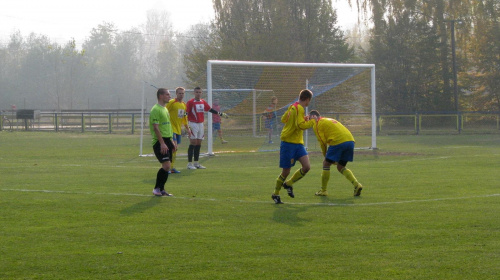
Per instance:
(193,140)
(174,153)
(281,179)
(300,155)
(220,135)
(286,163)
(162,174)
(325,177)
(347,155)
(177,139)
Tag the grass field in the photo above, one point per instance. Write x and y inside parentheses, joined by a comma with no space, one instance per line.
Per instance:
(79,206)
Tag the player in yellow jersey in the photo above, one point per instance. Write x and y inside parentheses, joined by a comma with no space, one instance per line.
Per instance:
(292,145)
(178,117)
(337,145)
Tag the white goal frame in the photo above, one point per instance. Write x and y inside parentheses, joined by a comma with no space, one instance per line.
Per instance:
(293,64)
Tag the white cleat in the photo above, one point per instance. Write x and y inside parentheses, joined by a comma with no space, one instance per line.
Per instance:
(199,166)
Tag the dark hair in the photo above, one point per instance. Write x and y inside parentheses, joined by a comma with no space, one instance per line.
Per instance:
(314,113)
(161,91)
(305,94)
(197,88)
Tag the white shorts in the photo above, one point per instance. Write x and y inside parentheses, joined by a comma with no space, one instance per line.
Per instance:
(197,130)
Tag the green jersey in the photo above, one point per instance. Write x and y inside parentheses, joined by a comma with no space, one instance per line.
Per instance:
(159,115)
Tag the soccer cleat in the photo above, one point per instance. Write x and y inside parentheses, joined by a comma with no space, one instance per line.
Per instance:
(157,192)
(321,193)
(174,171)
(190,166)
(165,193)
(357,189)
(289,190)
(277,199)
(199,166)
(224,142)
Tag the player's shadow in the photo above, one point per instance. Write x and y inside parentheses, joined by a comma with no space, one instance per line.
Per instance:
(141,206)
(330,201)
(289,214)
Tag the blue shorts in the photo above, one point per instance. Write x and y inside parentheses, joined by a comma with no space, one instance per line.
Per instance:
(290,153)
(177,138)
(341,152)
(216,126)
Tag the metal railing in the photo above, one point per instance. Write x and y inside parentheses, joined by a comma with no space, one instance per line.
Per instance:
(129,121)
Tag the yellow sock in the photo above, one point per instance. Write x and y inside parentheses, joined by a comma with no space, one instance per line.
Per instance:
(279,183)
(172,162)
(325,177)
(296,176)
(348,174)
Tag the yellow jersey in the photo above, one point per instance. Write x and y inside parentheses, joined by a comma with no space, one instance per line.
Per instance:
(295,124)
(331,132)
(178,117)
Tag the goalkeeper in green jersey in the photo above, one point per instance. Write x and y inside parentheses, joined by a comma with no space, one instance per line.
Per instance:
(292,145)
(337,145)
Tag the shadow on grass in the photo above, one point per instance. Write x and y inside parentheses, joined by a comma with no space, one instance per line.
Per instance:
(330,201)
(289,213)
(141,206)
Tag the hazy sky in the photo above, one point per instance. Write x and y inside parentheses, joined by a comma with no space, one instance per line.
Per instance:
(62,20)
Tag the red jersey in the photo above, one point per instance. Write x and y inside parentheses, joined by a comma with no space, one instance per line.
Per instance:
(215,117)
(196,110)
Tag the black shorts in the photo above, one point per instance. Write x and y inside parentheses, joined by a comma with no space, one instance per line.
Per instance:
(157,149)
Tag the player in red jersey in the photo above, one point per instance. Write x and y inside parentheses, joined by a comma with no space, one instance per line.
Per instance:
(196,109)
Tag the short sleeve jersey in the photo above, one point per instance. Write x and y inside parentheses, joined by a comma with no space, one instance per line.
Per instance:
(295,124)
(159,115)
(196,110)
(331,132)
(177,112)
(271,112)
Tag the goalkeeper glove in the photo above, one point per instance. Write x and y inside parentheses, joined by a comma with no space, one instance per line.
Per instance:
(223,115)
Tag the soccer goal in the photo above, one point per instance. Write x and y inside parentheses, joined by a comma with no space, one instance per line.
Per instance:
(245,90)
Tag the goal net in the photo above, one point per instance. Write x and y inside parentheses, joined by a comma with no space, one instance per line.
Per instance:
(245,90)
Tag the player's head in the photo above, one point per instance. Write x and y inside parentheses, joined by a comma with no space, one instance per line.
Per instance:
(314,114)
(197,93)
(274,100)
(305,97)
(179,92)
(162,92)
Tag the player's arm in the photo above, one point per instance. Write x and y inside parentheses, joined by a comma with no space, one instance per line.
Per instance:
(218,113)
(163,146)
(303,122)
(323,148)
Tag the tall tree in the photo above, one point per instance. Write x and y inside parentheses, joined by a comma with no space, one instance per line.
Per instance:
(274,30)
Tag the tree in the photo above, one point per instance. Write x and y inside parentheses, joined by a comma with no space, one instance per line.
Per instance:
(407,65)
(272,30)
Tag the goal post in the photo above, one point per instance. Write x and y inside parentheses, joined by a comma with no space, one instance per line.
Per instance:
(245,89)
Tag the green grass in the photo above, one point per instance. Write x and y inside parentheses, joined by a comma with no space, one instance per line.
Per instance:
(79,206)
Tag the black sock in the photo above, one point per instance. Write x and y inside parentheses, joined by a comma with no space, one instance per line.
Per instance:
(161,179)
(197,152)
(190,153)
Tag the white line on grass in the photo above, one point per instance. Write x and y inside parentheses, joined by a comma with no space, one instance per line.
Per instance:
(269,202)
